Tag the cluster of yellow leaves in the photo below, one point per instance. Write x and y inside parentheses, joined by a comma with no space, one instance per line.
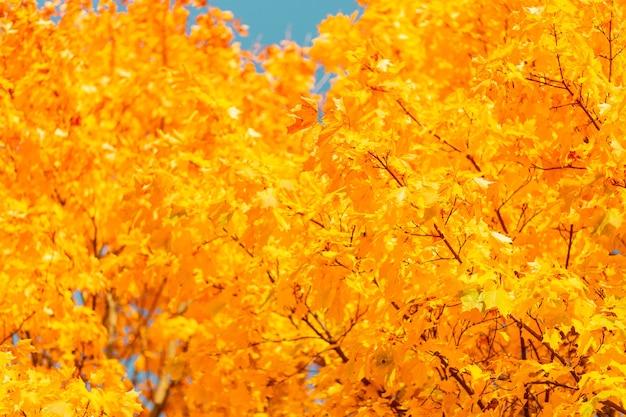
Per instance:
(28,391)
(439,237)
(136,159)
(481,142)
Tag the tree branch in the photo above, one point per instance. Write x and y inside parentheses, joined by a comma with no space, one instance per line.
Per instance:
(250,254)
(454,373)
(547,346)
(450,248)
(408,113)
(166,382)
(111,320)
(569,245)
(385,164)
(8,336)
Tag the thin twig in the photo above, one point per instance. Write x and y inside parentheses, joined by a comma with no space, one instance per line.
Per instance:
(18,329)
(408,113)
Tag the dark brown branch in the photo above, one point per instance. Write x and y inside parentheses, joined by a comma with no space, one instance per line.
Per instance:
(564,105)
(379,89)
(324,334)
(18,329)
(452,210)
(94,240)
(562,84)
(534,349)
(329,338)
(501,220)
(555,168)
(408,113)
(450,248)
(611,47)
(473,161)
(445,142)
(341,354)
(558,59)
(385,165)
(317,223)
(312,327)
(236,239)
(535,214)
(353,322)
(522,344)
(569,245)
(578,100)
(454,373)
(617,183)
(506,200)
(539,338)
(589,115)
(614,406)
(610,38)
(553,383)
(538,79)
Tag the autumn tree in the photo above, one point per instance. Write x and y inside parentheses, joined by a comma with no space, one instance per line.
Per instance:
(185,233)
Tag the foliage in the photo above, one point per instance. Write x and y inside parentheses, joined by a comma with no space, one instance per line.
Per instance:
(441,239)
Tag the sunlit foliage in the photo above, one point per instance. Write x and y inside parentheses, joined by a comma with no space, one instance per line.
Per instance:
(184,231)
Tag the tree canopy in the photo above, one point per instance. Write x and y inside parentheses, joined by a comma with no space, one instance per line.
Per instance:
(187,229)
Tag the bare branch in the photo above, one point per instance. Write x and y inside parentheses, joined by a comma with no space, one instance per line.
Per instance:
(445,240)
(384,163)
(454,373)
(564,85)
(18,329)
(539,338)
(166,382)
(569,245)
(408,113)
(555,168)
(249,252)
(111,320)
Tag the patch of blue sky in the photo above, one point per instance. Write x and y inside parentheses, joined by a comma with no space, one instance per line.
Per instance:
(312,370)
(272,21)
(77,296)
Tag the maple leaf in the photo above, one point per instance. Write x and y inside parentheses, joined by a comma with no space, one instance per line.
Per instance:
(446,226)
(305,115)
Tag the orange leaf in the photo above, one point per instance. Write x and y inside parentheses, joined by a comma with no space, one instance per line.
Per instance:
(305,115)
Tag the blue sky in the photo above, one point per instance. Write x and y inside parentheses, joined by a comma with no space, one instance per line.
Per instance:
(271,21)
